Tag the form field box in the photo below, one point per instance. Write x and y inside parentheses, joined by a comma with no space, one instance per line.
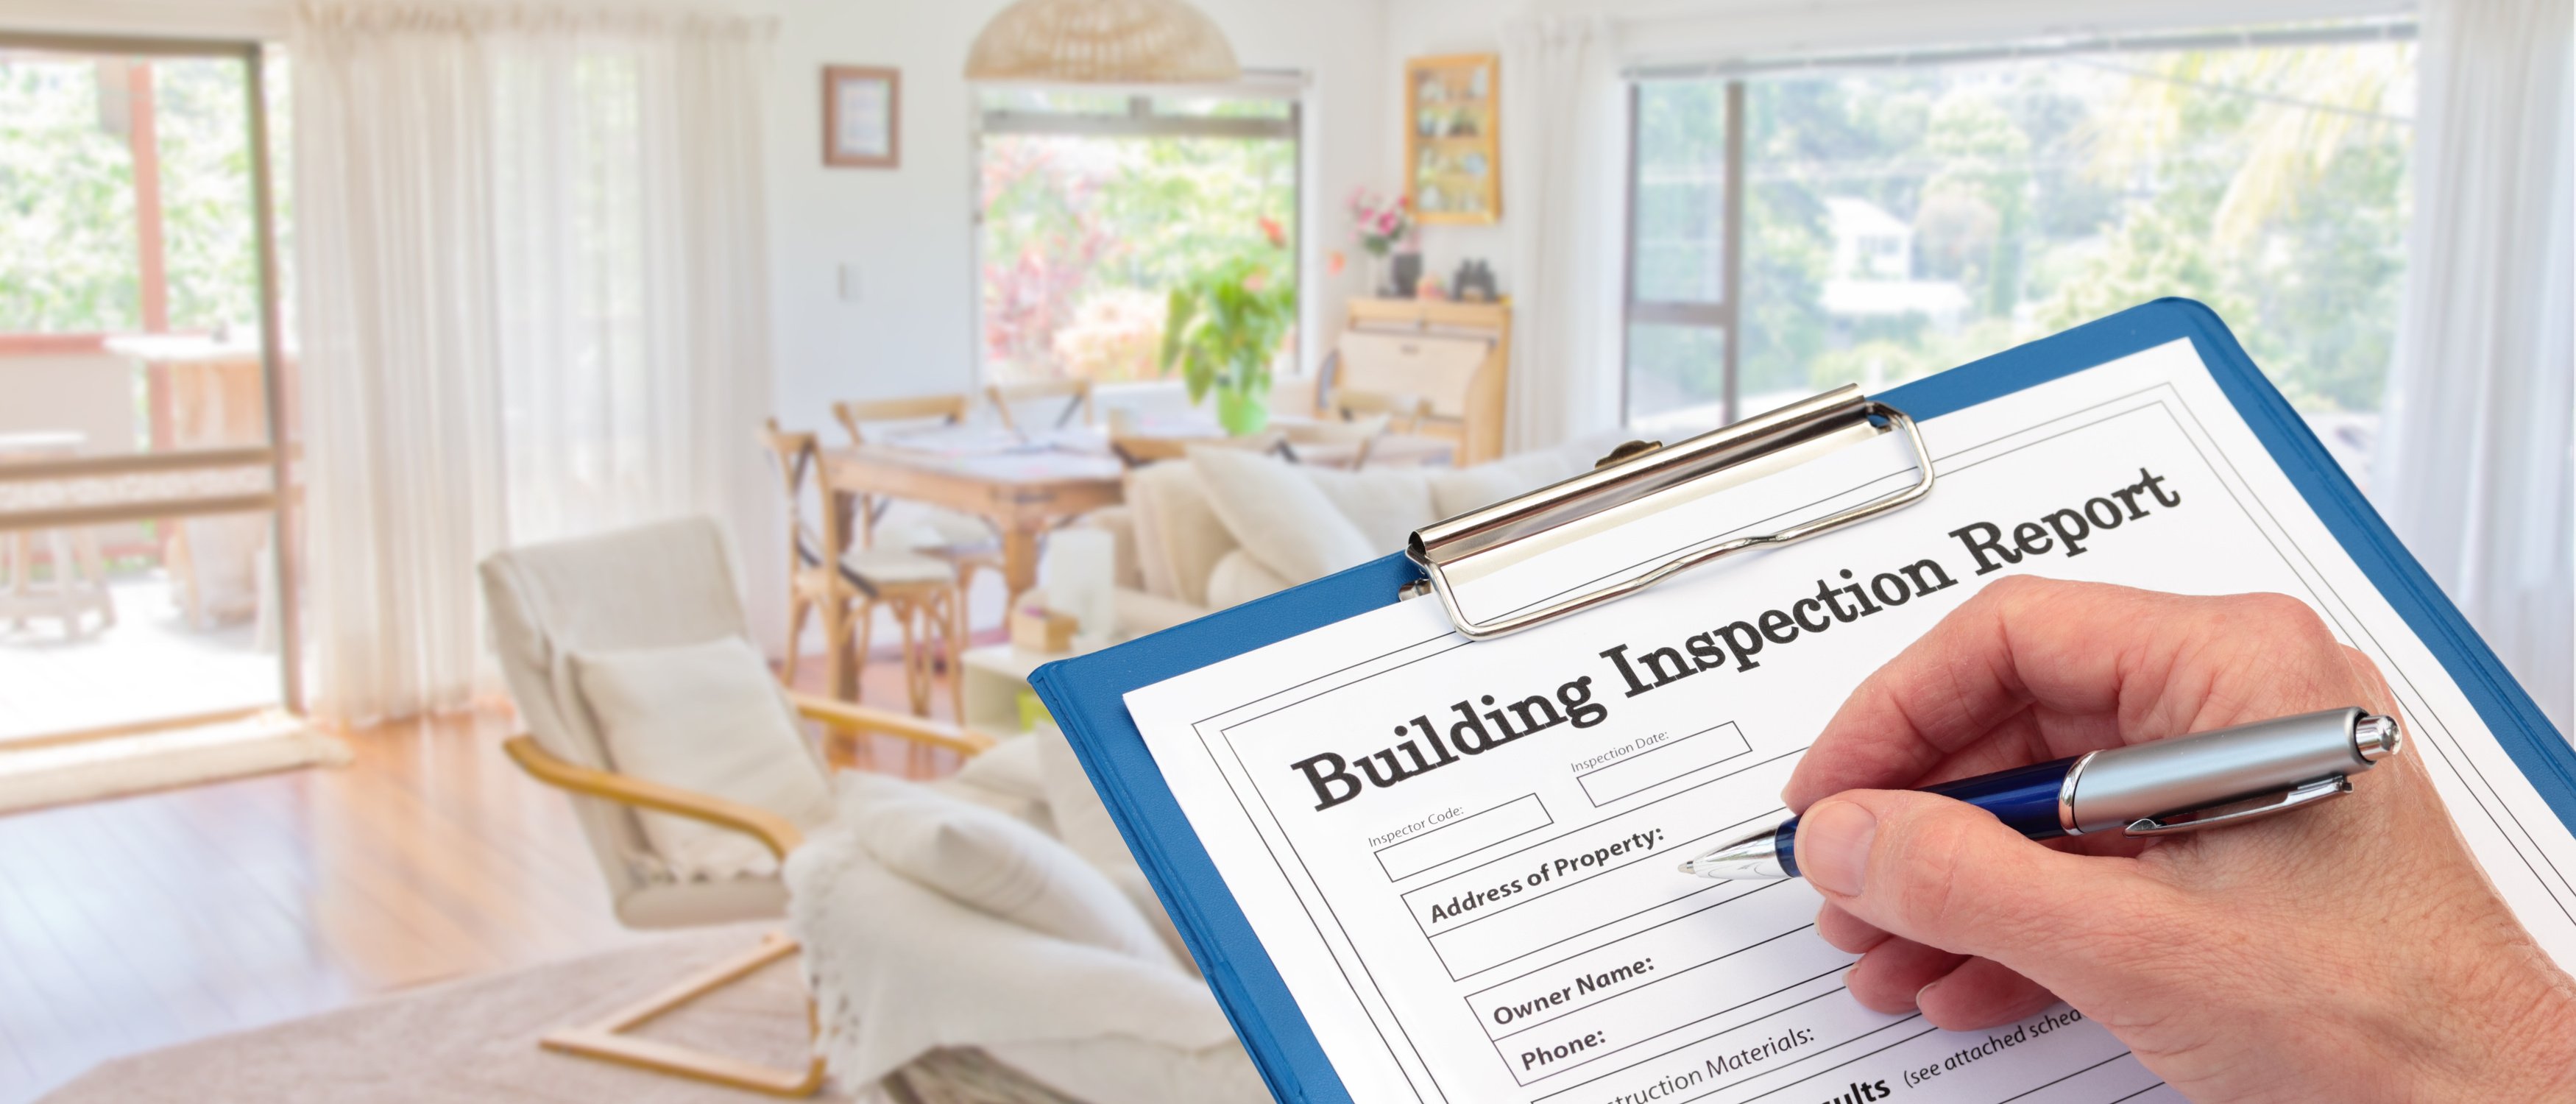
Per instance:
(1657,765)
(1463,836)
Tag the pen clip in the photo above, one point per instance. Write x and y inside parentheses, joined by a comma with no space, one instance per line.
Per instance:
(2238,812)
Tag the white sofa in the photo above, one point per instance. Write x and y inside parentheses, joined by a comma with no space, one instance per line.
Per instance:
(1182,533)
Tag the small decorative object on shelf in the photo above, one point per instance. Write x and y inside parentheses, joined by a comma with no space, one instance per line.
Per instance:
(862,117)
(1452,159)
(1384,230)
(1428,287)
(1223,329)
(1406,278)
(1474,283)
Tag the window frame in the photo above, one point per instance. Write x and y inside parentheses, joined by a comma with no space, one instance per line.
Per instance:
(1140,120)
(282,500)
(1724,312)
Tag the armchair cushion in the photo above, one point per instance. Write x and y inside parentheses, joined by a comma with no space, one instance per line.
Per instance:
(986,860)
(549,600)
(706,717)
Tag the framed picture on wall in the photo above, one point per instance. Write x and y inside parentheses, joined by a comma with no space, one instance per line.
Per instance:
(1452,138)
(862,116)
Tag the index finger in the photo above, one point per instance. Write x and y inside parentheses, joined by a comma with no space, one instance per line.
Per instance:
(2139,663)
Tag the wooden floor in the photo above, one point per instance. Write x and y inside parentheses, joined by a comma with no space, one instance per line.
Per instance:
(133,924)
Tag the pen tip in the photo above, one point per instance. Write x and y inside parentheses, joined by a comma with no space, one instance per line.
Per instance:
(1753,858)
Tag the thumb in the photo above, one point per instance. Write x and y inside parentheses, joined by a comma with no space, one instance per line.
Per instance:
(1947,874)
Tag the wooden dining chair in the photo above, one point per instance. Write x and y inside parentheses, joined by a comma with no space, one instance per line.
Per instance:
(1009,398)
(847,584)
(967,543)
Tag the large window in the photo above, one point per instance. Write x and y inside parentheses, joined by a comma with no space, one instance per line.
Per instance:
(1902,216)
(1095,205)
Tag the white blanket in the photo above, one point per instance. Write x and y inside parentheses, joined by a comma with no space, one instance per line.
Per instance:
(898,969)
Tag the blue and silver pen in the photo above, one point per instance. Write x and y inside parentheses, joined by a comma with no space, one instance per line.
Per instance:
(2204,780)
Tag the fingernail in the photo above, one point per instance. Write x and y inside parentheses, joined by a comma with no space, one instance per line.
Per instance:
(1921,993)
(1833,846)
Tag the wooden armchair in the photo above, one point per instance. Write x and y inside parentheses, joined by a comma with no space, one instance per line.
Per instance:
(656,586)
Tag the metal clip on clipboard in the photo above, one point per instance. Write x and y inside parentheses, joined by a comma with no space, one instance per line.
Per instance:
(1640,469)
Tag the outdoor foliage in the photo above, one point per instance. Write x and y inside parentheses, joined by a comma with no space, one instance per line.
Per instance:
(2268,183)
(67,253)
(68,249)
(1084,237)
(1224,327)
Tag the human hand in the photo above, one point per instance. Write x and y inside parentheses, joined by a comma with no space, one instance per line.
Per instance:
(2352,951)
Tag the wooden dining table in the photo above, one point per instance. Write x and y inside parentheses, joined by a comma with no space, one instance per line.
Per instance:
(1023,494)
(1026,491)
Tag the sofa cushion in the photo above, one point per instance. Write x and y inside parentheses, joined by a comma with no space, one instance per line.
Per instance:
(1240,578)
(988,861)
(1457,491)
(1279,515)
(1179,536)
(708,718)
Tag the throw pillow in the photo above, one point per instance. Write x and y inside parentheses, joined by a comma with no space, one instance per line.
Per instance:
(1080,816)
(1082,819)
(708,718)
(1278,514)
(990,862)
(1004,778)
(1010,767)
(1385,504)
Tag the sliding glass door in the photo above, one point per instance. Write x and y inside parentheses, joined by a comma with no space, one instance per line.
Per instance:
(146,569)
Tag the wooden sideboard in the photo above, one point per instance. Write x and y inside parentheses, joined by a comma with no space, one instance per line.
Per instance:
(1458,355)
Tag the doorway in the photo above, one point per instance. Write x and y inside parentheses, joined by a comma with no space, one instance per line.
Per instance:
(147,495)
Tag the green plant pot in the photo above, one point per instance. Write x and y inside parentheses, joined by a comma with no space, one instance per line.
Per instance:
(1242,413)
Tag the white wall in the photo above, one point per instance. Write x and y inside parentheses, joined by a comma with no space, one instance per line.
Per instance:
(908,232)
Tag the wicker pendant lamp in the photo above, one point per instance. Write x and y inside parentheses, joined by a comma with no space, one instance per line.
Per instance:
(1102,42)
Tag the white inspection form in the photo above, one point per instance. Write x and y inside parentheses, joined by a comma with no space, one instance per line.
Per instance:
(1461,856)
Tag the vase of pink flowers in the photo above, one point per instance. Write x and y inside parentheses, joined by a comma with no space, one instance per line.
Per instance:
(1384,229)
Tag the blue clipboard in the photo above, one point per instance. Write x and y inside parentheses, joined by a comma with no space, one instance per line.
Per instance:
(1086,695)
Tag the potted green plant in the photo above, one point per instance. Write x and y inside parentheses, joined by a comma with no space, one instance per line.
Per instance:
(1223,328)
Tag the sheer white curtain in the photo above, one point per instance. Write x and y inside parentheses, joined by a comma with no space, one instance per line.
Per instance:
(1564,136)
(534,304)
(2473,464)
